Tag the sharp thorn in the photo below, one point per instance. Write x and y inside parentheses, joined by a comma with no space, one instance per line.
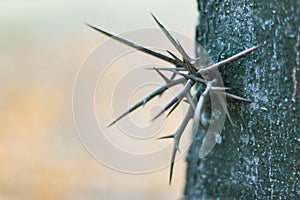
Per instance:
(173,108)
(169,36)
(155,93)
(222,101)
(232,96)
(165,108)
(134,45)
(189,67)
(177,137)
(185,55)
(171,69)
(162,75)
(229,60)
(176,99)
(175,57)
(220,88)
(192,77)
(166,137)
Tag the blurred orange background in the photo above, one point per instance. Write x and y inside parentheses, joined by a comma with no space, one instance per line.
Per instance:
(42,46)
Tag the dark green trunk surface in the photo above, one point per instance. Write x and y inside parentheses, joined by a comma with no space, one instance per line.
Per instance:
(259,156)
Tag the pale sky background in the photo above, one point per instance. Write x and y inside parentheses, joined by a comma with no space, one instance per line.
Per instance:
(42,46)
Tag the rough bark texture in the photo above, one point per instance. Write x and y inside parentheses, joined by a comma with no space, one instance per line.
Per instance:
(259,157)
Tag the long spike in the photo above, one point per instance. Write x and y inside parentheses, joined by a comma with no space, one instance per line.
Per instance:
(238,97)
(170,69)
(167,136)
(192,77)
(222,89)
(169,36)
(176,99)
(229,60)
(189,67)
(229,95)
(177,60)
(135,45)
(172,163)
(185,55)
(173,108)
(177,137)
(148,98)
(179,132)
(222,101)
(166,107)
(175,57)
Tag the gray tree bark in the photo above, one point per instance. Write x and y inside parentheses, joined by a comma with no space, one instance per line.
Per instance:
(259,157)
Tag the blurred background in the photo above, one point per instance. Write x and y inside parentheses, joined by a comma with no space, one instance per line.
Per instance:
(42,46)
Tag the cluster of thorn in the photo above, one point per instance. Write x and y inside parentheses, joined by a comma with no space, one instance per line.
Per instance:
(190,72)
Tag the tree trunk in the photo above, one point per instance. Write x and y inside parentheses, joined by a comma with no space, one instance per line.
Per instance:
(259,156)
